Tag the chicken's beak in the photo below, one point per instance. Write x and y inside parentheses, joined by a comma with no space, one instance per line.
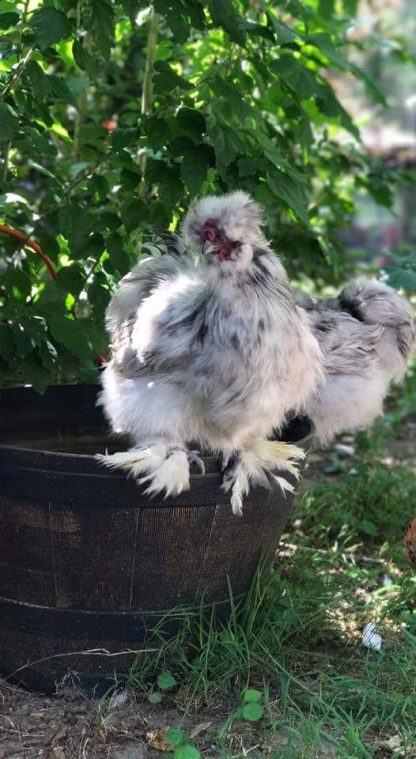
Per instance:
(208,247)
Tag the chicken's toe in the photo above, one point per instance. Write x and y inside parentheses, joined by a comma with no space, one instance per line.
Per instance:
(194,458)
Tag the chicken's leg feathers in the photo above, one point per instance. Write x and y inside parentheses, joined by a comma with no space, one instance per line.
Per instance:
(165,467)
(256,464)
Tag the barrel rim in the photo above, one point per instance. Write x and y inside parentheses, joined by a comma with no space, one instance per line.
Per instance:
(38,458)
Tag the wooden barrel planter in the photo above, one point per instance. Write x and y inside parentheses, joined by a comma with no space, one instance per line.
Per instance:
(88,563)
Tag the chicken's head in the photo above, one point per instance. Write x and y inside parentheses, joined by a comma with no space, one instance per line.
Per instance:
(226,229)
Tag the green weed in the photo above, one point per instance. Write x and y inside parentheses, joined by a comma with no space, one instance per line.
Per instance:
(296,641)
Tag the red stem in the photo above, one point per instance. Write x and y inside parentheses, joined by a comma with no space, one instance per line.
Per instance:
(30,244)
(46,260)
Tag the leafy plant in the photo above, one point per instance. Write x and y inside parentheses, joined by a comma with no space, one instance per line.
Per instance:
(166,681)
(114,114)
(183,749)
(250,710)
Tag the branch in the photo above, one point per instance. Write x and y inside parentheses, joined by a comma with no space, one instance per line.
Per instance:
(30,244)
(5,167)
(147,96)
(14,81)
(147,93)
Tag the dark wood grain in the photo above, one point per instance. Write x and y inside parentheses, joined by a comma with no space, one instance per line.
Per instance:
(88,561)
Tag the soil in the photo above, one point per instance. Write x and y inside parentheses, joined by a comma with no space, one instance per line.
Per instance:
(71,726)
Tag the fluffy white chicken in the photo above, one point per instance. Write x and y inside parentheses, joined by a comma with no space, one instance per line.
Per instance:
(209,348)
(367,336)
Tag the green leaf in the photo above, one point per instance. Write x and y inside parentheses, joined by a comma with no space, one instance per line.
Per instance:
(180,145)
(115,247)
(253,28)
(123,137)
(167,180)
(70,334)
(48,243)
(51,300)
(19,281)
(76,226)
(285,34)
(175,736)
(102,25)
(176,17)
(8,19)
(195,165)
(251,695)
(165,681)
(329,104)
(323,43)
(134,214)
(187,752)
(155,697)
(94,247)
(35,374)
(158,132)
(253,711)
(192,122)
(227,143)
(99,294)
(301,80)
(38,80)
(48,354)
(369,527)
(166,79)
(61,90)
(9,123)
(84,60)
(303,133)
(326,8)
(131,7)
(372,88)
(107,220)
(100,185)
(399,277)
(50,26)
(129,181)
(223,13)
(291,192)
(71,279)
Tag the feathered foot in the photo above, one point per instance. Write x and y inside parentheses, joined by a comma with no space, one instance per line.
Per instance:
(256,465)
(165,467)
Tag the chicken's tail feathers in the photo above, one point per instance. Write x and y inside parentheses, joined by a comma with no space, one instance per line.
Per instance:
(374,302)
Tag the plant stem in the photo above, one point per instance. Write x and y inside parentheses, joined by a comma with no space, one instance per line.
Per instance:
(79,120)
(147,93)
(5,167)
(147,96)
(18,73)
(81,100)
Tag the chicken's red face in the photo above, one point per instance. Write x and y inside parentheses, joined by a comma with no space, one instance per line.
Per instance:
(215,244)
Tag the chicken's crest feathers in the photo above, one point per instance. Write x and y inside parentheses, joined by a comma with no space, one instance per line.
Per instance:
(238,216)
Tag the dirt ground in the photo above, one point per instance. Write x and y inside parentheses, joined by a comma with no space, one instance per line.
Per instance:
(71,726)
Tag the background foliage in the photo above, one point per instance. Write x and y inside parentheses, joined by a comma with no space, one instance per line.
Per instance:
(114,114)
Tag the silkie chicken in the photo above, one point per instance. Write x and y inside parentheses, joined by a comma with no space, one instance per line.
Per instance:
(366,335)
(209,346)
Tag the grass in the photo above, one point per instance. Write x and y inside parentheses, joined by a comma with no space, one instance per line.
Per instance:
(297,639)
